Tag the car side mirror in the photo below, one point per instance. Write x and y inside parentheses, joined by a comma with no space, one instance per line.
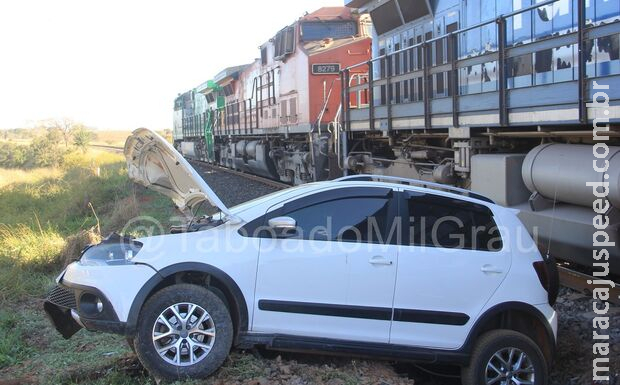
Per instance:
(283,226)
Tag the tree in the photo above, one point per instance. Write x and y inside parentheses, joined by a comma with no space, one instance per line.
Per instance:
(82,137)
(45,150)
(65,126)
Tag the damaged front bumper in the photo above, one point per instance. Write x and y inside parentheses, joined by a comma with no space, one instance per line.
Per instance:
(71,308)
(96,297)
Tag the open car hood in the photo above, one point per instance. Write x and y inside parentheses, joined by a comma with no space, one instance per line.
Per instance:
(154,163)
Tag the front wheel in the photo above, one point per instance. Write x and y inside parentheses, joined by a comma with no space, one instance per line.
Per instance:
(184,331)
(505,357)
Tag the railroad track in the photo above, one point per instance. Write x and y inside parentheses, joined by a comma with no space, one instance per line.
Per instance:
(252,177)
(108,148)
(583,283)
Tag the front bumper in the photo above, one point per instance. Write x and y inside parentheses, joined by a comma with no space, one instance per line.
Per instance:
(73,303)
(70,308)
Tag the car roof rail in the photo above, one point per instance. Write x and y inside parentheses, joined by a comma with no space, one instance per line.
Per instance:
(413,182)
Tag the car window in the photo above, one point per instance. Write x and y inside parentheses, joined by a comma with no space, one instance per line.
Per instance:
(361,219)
(352,214)
(436,221)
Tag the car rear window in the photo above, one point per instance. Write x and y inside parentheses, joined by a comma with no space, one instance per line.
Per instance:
(436,221)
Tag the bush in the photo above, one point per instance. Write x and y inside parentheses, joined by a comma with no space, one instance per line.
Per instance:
(82,137)
(43,151)
(46,150)
(13,155)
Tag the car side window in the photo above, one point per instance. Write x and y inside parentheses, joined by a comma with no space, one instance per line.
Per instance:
(436,221)
(353,214)
(360,219)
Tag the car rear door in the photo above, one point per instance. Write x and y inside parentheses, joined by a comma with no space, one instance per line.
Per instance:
(450,263)
(329,279)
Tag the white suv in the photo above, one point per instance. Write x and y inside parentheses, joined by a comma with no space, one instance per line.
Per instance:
(403,270)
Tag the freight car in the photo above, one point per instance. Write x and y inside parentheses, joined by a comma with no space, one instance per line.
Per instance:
(497,96)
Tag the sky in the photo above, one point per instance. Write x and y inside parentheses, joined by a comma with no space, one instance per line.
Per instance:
(120,64)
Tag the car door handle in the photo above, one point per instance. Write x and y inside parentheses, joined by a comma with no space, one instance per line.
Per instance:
(491,269)
(379,260)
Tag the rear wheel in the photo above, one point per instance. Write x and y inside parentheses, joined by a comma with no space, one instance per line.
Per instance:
(184,331)
(505,357)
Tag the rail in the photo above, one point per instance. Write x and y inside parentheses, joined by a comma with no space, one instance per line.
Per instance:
(256,178)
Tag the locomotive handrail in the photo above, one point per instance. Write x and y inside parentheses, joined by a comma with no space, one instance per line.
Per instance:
(457,32)
(424,68)
(414,182)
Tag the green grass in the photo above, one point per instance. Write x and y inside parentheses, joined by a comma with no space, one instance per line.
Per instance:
(12,346)
(41,210)
(44,215)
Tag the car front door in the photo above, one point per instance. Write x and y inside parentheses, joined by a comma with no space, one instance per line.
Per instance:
(450,265)
(334,275)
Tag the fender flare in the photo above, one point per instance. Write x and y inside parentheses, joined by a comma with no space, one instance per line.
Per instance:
(506,306)
(237,302)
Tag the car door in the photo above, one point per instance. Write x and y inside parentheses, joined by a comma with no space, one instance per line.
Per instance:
(334,276)
(450,264)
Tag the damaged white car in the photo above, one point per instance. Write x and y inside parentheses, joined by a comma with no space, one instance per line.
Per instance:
(342,266)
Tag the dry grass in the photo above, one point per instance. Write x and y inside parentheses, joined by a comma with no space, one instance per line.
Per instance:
(23,245)
(121,212)
(10,176)
(112,137)
(48,215)
(75,243)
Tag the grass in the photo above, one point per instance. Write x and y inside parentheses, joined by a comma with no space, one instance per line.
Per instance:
(45,219)
(44,214)
(116,138)
(12,348)
(111,137)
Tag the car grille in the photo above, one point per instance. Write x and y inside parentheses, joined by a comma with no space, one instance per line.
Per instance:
(63,297)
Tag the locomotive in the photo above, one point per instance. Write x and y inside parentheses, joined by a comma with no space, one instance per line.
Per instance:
(272,117)
(507,98)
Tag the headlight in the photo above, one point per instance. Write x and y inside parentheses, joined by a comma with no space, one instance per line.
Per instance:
(113,250)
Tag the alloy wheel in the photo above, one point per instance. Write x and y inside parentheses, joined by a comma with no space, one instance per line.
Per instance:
(183,334)
(510,366)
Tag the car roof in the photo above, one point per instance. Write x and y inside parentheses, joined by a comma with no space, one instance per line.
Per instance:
(261,204)
(426,190)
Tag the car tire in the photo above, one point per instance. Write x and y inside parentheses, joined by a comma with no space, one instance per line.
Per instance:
(192,347)
(505,353)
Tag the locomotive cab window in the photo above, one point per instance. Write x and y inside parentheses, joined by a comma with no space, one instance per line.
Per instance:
(328,29)
(284,43)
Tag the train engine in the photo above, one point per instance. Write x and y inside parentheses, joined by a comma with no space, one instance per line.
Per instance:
(273,117)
